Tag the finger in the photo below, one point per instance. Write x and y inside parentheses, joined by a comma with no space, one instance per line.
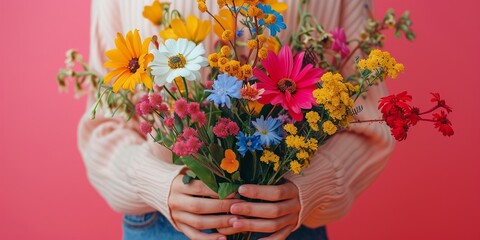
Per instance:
(202,222)
(229,230)
(266,210)
(280,235)
(194,234)
(263,225)
(269,193)
(195,187)
(201,205)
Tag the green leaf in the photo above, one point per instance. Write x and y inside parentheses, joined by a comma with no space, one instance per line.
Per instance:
(176,159)
(226,189)
(216,151)
(186,179)
(202,172)
(236,177)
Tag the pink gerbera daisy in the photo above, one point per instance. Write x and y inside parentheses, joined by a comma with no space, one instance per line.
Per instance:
(287,83)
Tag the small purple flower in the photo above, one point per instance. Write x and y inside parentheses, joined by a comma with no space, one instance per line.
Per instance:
(340,42)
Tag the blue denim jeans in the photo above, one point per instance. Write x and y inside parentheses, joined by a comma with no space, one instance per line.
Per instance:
(154,226)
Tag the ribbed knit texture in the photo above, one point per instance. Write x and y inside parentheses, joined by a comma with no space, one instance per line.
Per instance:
(134,175)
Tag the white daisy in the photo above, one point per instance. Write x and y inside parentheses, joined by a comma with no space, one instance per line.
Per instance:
(177,58)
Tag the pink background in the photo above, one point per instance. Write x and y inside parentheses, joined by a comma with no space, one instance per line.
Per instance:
(429,190)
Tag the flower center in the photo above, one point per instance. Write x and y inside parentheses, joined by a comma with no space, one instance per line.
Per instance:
(264,132)
(133,65)
(177,61)
(270,19)
(287,84)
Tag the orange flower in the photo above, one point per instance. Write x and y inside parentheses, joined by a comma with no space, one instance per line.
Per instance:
(230,162)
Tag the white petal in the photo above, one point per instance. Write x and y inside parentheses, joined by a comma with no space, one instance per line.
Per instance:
(160,70)
(160,80)
(193,67)
(171,46)
(171,76)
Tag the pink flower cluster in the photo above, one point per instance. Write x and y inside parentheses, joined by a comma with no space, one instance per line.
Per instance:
(183,109)
(225,127)
(187,143)
(340,42)
(149,104)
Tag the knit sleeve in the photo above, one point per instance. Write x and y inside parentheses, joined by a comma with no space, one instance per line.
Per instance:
(350,161)
(132,174)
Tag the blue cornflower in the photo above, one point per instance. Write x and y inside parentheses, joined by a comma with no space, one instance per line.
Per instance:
(268,130)
(275,26)
(240,33)
(224,88)
(250,143)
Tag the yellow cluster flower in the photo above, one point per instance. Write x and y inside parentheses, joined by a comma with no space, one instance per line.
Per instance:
(312,144)
(269,157)
(262,53)
(290,128)
(383,60)
(335,96)
(295,141)
(202,6)
(303,155)
(254,11)
(313,118)
(295,166)
(329,127)
(252,44)
(232,67)
(227,35)
(225,51)
(213,59)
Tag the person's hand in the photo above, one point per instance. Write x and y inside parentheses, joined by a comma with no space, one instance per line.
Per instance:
(189,207)
(278,216)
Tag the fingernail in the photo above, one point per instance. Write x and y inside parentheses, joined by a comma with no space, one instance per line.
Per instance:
(235,209)
(232,220)
(222,238)
(242,189)
(237,225)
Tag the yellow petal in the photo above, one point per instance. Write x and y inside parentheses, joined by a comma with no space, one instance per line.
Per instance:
(116,55)
(121,45)
(179,28)
(203,31)
(146,80)
(113,73)
(168,34)
(192,26)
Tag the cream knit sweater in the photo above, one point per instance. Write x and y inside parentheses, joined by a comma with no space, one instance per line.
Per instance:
(134,174)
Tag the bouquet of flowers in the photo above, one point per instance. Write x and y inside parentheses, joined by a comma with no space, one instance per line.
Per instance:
(255,109)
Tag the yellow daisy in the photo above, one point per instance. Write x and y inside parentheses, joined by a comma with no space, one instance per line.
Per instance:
(194,29)
(129,62)
(154,12)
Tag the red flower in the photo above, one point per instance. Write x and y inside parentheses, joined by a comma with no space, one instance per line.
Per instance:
(399,130)
(440,102)
(413,116)
(393,103)
(443,124)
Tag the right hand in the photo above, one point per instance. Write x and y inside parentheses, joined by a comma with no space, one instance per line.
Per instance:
(196,207)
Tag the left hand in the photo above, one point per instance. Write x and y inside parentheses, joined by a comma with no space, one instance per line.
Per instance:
(278,216)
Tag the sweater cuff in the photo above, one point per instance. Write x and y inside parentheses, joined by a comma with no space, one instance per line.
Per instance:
(327,196)
(152,178)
